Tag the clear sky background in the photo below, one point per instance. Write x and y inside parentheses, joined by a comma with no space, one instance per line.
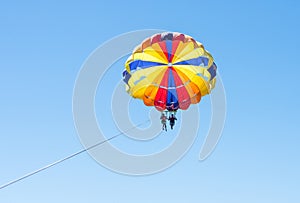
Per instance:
(255,45)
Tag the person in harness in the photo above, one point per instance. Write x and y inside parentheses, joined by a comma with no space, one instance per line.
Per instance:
(163,119)
(172,119)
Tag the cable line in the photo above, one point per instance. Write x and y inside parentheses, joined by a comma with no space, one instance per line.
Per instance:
(68,157)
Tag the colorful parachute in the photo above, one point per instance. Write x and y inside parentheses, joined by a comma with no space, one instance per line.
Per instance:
(170,71)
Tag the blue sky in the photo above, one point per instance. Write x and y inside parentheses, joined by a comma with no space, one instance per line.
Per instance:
(255,44)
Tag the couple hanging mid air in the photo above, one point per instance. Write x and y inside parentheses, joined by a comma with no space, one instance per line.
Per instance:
(164,119)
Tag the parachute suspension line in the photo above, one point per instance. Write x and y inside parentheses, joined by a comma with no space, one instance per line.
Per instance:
(172,112)
(169,113)
(68,157)
(166,112)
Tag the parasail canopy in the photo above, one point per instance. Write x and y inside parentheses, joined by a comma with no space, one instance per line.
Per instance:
(170,71)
